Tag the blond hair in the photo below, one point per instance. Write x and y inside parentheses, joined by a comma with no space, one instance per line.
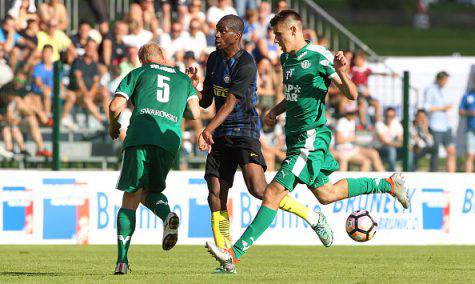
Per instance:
(151,52)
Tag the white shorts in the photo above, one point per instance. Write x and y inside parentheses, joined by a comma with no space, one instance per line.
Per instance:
(471,142)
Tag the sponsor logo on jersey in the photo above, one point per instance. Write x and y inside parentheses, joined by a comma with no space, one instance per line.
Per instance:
(160,113)
(305,64)
(291,92)
(220,91)
(301,55)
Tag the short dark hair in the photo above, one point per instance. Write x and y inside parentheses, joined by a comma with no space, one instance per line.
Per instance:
(84,22)
(283,16)
(441,75)
(388,109)
(232,22)
(421,110)
(47,46)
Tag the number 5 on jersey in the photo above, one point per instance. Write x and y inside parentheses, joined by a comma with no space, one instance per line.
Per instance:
(163,89)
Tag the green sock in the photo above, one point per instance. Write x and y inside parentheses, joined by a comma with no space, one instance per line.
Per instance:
(261,222)
(359,186)
(158,204)
(125,230)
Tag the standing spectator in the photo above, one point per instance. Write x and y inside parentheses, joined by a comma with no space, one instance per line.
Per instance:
(56,38)
(137,36)
(54,9)
(437,106)
(281,5)
(80,39)
(348,151)
(360,73)
(99,8)
(22,11)
(215,13)
(422,140)
(144,13)
(467,110)
(42,77)
(113,48)
(243,5)
(389,133)
(84,83)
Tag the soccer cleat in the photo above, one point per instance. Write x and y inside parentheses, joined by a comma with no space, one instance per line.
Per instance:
(170,231)
(121,268)
(398,189)
(230,269)
(323,230)
(224,257)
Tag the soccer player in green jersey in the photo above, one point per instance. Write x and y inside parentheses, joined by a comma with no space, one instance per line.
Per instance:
(161,95)
(307,72)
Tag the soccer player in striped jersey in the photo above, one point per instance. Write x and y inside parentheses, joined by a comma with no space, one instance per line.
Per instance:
(233,134)
(307,72)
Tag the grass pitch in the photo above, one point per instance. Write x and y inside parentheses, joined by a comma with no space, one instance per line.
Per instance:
(184,264)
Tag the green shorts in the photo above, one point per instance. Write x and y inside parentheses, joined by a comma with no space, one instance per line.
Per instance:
(308,160)
(145,167)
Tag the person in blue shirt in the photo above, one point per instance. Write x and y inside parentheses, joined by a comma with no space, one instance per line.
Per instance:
(467,110)
(437,105)
(42,82)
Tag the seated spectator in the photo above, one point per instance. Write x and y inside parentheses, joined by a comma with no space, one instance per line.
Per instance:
(131,62)
(242,6)
(437,105)
(265,15)
(137,35)
(389,133)
(84,85)
(80,39)
(8,35)
(189,61)
(273,143)
(216,12)
(22,11)
(194,13)
(30,39)
(422,141)
(266,84)
(42,86)
(267,48)
(53,9)
(281,5)
(113,49)
(177,41)
(348,151)
(311,36)
(56,38)
(250,34)
(197,39)
(323,40)
(6,73)
(467,110)
(144,14)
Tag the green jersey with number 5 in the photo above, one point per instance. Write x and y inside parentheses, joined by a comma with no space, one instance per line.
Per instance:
(307,75)
(159,94)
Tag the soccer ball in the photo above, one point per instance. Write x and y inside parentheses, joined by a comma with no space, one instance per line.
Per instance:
(360,226)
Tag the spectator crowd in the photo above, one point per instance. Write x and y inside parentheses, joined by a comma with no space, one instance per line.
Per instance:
(99,54)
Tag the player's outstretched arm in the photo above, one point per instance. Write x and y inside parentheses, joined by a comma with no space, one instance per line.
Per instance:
(219,118)
(192,109)
(271,117)
(342,81)
(116,106)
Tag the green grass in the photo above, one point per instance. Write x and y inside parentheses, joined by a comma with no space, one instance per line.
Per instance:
(406,41)
(184,264)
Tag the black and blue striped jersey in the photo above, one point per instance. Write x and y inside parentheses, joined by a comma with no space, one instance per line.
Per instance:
(239,77)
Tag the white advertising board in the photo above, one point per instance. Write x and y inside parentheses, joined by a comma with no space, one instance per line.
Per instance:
(43,207)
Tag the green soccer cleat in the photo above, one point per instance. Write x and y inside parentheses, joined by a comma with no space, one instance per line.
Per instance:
(121,268)
(170,231)
(399,190)
(323,230)
(224,257)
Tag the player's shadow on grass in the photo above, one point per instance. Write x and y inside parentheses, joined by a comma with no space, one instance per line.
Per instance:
(24,273)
